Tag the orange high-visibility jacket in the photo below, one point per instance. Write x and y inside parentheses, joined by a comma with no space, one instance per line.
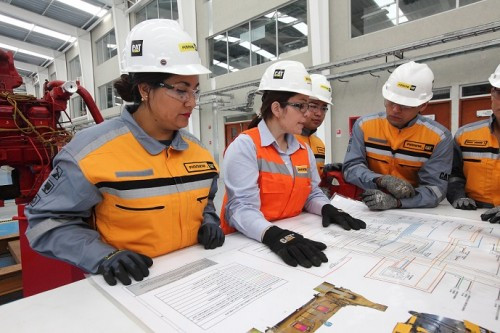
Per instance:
(317,147)
(480,159)
(281,194)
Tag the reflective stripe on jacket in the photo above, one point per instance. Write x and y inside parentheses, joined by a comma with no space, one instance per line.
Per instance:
(318,148)
(141,211)
(281,195)
(398,152)
(480,159)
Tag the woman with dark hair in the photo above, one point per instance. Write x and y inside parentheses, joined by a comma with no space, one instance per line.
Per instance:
(270,175)
(136,186)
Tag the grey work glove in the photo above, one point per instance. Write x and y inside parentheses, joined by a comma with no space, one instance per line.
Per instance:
(465,204)
(122,263)
(492,215)
(333,215)
(211,236)
(378,200)
(293,248)
(399,188)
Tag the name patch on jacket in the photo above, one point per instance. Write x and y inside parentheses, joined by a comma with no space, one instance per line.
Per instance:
(418,146)
(199,166)
(301,168)
(482,143)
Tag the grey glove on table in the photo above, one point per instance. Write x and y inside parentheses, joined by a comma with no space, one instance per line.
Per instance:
(399,188)
(378,200)
(492,215)
(465,204)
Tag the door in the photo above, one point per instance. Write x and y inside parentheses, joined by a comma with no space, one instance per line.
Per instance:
(474,109)
(439,111)
(234,129)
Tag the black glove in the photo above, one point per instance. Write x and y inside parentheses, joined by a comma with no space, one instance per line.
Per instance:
(122,263)
(492,215)
(332,167)
(465,204)
(210,235)
(293,248)
(332,215)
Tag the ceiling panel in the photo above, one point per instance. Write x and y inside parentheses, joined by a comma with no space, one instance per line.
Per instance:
(46,11)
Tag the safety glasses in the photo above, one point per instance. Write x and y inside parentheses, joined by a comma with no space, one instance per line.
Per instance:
(302,107)
(180,92)
(315,107)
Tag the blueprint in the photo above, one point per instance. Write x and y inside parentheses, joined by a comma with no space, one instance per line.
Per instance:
(407,261)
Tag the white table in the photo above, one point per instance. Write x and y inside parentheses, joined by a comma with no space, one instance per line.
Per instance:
(83,307)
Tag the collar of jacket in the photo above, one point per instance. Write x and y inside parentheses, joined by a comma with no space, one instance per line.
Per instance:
(308,132)
(153,146)
(492,122)
(267,138)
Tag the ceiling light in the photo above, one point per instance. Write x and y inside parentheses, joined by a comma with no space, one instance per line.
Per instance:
(36,28)
(16,49)
(85,6)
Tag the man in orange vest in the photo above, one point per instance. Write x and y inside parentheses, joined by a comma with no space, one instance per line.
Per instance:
(475,177)
(399,157)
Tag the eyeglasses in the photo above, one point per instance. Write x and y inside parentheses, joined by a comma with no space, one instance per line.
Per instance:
(302,107)
(180,92)
(315,107)
(403,108)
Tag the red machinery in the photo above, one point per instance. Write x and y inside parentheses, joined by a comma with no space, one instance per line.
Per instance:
(30,137)
(334,182)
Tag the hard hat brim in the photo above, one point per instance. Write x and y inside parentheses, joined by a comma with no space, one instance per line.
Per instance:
(194,69)
(406,101)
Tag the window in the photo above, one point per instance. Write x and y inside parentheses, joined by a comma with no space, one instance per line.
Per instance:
(467,2)
(106,47)
(107,96)
(476,90)
(74,69)
(77,107)
(440,93)
(382,14)
(260,40)
(166,9)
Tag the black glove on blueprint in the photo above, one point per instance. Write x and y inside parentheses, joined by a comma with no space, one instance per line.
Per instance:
(293,248)
(122,263)
(492,215)
(211,236)
(333,215)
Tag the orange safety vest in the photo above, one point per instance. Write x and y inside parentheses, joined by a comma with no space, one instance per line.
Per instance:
(398,152)
(481,163)
(317,147)
(281,195)
(152,213)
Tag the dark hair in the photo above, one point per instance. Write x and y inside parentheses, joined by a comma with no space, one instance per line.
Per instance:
(268,98)
(127,85)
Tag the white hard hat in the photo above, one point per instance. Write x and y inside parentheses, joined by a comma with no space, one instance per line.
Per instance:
(410,84)
(160,45)
(287,75)
(321,88)
(495,78)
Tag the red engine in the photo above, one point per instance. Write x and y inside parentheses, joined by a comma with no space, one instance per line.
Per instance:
(31,134)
